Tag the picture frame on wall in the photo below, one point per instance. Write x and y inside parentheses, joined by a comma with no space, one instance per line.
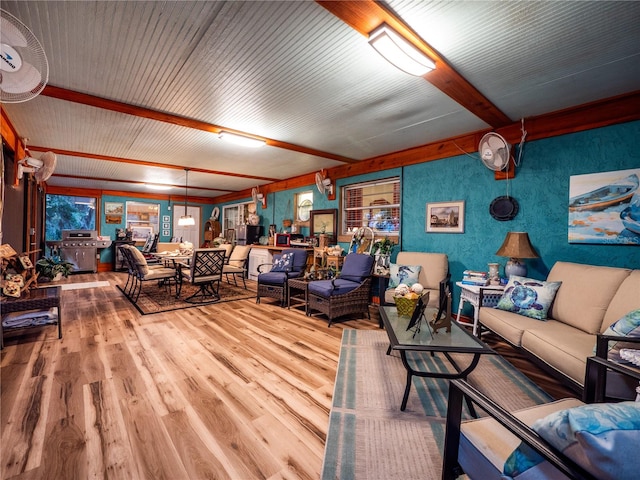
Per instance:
(166,219)
(445,217)
(324,222)
(113,208)
(165,233)
(165,226)
(113,219)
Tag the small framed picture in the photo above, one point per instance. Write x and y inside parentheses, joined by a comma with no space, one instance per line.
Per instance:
(113,208)
(165,233)
(165,226)
(445,217)
(166,219)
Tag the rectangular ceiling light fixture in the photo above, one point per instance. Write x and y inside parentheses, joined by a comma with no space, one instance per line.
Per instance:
(399,52)
(241,140)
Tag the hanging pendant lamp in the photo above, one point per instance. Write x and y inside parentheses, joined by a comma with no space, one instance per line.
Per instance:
(186,220)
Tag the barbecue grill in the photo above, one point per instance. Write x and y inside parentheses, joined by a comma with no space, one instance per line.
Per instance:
(80,247)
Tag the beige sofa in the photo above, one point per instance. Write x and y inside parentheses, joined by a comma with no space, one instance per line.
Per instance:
(588,301)
(434,271)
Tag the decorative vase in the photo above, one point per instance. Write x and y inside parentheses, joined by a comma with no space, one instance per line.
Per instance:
(494,273)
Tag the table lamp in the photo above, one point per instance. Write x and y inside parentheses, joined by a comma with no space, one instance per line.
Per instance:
(516,245)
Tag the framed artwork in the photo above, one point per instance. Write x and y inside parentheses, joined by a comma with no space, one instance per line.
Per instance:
(445,217)
(165,226)
(141,233)
(165,233)
(604,208)
(116,219)
(166,219)
(324,222)
(113,208)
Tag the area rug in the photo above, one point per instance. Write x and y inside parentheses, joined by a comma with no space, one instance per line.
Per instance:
(370,438)
(157,299)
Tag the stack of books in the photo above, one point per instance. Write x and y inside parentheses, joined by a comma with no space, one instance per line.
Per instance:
(474,277)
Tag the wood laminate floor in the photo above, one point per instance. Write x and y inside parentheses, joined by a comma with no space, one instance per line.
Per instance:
(228,391)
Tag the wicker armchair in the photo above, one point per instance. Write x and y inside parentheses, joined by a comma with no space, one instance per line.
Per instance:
(290,264)
(346,294)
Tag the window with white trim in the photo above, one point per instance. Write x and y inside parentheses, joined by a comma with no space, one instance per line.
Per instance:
(372,204)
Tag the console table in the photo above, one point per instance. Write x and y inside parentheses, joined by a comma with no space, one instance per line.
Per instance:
(34,299)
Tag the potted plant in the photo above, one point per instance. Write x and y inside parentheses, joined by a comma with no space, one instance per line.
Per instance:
(53,268)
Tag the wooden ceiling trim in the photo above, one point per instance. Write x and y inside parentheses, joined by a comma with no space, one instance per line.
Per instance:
(98,193)
(366,15)
(120,107)
(96,156)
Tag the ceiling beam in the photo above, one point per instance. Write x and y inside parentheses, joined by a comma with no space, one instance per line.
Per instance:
(145,163)
(128,109)
(365,16)
(137,182)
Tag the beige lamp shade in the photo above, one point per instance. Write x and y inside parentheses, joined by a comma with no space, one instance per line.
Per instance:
(517,245)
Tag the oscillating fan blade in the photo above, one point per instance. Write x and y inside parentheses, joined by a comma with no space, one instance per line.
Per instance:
(10,35)
(24,80)
(495,143)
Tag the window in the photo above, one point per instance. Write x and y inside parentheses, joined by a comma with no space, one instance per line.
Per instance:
(236,214)
(373,204)
(143,219)
(64,212)
(304,205)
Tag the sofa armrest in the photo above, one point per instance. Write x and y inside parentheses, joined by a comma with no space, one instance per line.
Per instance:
(602,343)
(459,390)
(595,381)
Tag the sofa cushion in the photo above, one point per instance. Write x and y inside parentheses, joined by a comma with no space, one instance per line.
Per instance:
(602,438)
(508,325)
(485,445)
(561,346)
(141,262)
(326,288)
(627,326)
(528,297)
(585,294)
(625,299)
(407,274)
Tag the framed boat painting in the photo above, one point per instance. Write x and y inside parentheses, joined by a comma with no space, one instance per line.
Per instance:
(604,208)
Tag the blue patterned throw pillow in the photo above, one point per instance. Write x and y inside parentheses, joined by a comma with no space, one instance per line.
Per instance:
(601,437)
(627,326)
(407,274)
(528,297)
(283,263)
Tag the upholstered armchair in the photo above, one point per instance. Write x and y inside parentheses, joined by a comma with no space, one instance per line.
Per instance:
(558,440)
(236,264)
(141,272)
(346,294)
(291,263)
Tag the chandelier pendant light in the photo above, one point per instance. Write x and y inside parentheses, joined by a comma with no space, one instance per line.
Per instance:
(186,220)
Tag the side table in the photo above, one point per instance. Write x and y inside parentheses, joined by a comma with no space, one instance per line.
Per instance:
(296,288)
(489,295)
(34,299)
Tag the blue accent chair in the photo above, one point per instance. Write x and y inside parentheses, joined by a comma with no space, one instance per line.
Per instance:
(291,263)
(346,294)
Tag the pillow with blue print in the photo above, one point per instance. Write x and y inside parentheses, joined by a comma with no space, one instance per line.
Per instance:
(283,263)
(627,326)
(529,297)
(407,274)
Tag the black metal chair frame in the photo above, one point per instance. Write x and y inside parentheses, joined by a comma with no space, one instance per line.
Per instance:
(205,271)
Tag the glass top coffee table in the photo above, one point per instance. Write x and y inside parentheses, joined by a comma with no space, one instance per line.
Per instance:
(421,338)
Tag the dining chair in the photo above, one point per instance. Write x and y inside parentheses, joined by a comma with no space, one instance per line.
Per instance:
(236,264)
(205,272)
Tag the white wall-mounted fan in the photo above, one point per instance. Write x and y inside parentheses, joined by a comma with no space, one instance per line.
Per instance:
(41,168)
(258,197)
(324,183)
(24,70)
(494,151)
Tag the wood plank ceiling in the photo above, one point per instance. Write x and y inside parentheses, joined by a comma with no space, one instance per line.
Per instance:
(139,90)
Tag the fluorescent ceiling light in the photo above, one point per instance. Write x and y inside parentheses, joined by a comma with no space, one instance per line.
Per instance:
(399,52)
(155,186)
(241,140)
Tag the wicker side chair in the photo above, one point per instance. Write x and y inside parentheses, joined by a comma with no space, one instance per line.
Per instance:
(291,263)
(348,293)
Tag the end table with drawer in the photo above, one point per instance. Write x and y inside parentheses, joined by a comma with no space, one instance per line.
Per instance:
(489,295)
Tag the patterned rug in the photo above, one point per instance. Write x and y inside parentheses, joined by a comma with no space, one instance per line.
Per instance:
(369,437)
(156,299)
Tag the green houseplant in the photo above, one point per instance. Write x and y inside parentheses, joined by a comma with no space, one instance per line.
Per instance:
(53,267)
(383,247)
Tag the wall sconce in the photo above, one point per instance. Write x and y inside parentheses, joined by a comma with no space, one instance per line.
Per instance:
(399,52)
(516,245)
(241,140)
